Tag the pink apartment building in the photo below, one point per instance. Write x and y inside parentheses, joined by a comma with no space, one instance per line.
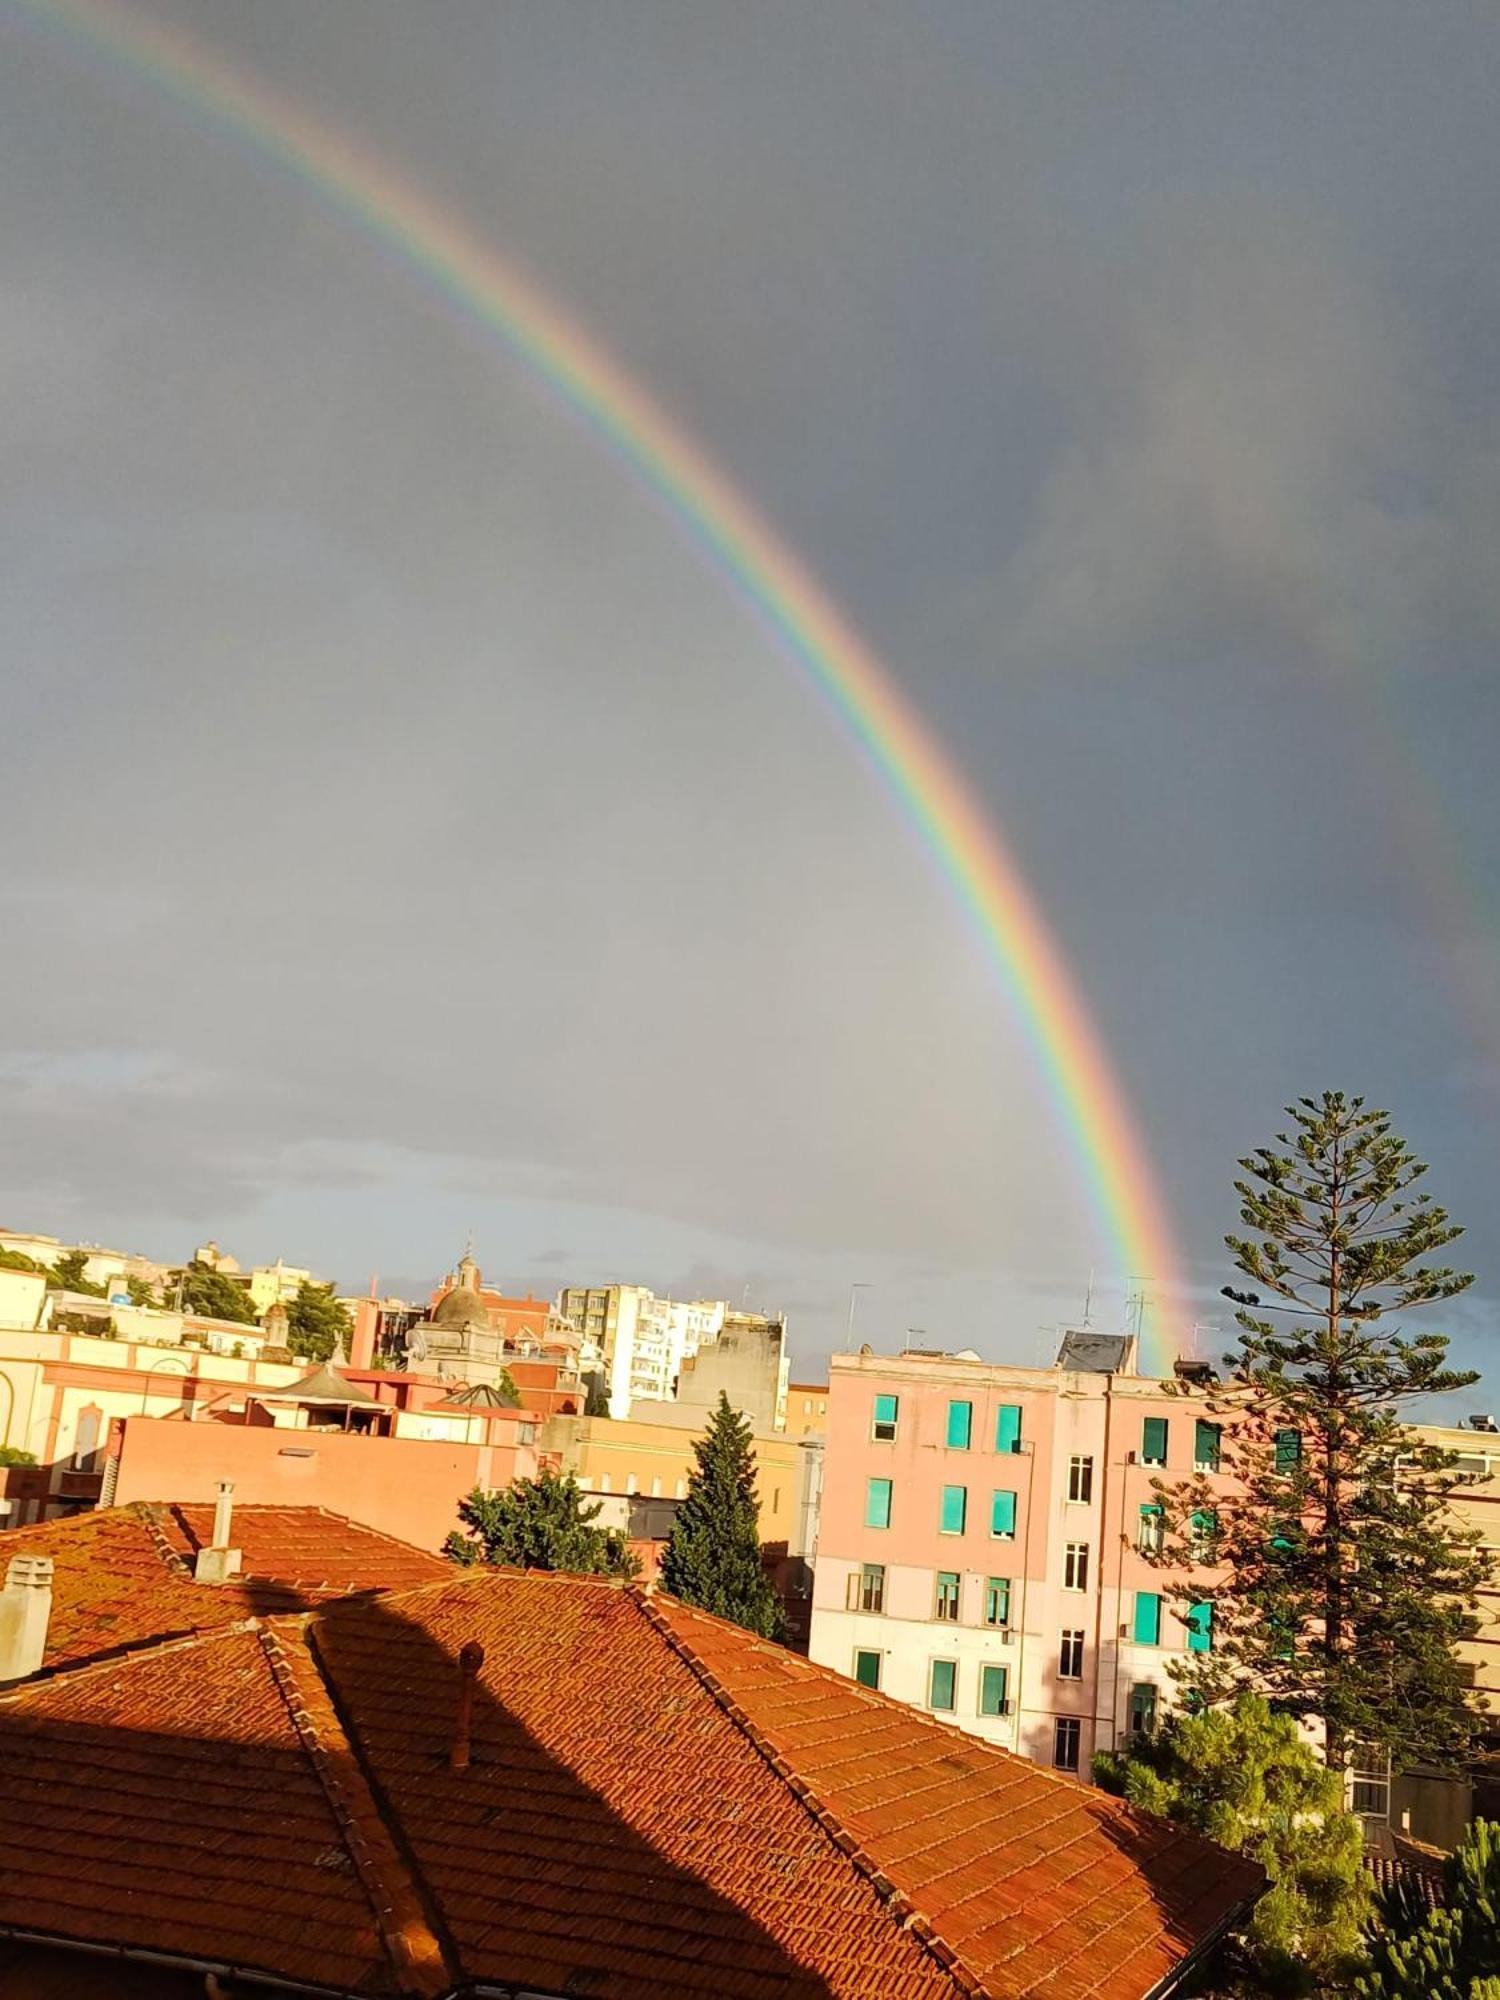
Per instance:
(983,1542)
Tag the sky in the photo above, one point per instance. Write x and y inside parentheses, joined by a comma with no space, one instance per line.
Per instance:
(408,837)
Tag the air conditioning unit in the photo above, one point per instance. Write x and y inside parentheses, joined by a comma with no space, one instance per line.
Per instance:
(1007,1635)
(1132,1458)
(1124,1631)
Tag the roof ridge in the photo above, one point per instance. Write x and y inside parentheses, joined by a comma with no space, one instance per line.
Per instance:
(418,1954)
(149,1513)
(125,1655)
(899,1905)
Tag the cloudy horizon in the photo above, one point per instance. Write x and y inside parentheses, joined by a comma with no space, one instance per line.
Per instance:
(409,836)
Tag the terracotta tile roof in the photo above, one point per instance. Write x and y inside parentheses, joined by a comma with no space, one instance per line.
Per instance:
(123,1575)
(166,1803)
(305,1548)
(616,1833)
(654,1803)
(1037,1884)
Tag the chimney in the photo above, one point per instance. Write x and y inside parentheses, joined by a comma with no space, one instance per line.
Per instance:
(219,1562)
(25,1607)
(470,1660)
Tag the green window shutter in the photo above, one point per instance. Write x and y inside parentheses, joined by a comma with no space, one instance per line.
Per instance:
(1205,1531)
(1142,1708)
(878,1503)
(942,1684)
(1003,1514)
(883,1427)
(867,1669)
(1154,1441)
(1147,1630)
(960,1423)
(1206,1445)
(955,1509)
(1008,1427)
(1288,1450)
(1200,1628)
(992,1682)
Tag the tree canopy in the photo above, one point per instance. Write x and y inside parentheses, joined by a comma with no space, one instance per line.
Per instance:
(316,1324)
(70,1271)
(17,1260)
(1244,1777)
(1345,1584)
(1451,1953)
(541,1523)
(713,1555)
(211,1295)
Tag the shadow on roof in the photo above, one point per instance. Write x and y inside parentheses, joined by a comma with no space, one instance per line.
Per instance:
(168,1802)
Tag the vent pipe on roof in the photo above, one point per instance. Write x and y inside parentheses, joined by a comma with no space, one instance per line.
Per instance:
(470,1660)
(219,1562)
(25,1607)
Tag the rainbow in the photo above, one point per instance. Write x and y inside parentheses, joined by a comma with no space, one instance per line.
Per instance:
(758,565)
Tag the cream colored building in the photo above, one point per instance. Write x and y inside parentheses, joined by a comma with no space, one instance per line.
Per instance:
(640,1340)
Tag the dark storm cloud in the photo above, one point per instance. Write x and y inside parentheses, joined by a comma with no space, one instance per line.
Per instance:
(404,834)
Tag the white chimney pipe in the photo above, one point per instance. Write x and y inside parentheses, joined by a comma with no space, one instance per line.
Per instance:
(219,1562)
(25,1607)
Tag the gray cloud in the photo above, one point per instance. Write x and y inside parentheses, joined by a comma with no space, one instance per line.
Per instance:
(405,833)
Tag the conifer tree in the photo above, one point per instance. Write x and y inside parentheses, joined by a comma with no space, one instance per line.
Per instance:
(1453,1952)
(713,1556)
(541,1523)
(1344,1584)
(1246,1779)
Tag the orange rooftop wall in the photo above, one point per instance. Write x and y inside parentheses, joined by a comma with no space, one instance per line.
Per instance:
(407,1487)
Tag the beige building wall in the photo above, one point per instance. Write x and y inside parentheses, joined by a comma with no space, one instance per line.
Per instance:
(655,1461)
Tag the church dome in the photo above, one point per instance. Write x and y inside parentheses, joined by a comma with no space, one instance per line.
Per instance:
(460,1308)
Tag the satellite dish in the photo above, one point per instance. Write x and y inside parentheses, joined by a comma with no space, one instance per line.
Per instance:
(867,1349)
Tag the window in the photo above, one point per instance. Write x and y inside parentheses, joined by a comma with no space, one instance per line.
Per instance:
(1146,1630)
(1151,1533)
(1003,1515)
(1203,1539)
(997,1601)
(877,1503)
(960,1424)
(992,1684)
(1065,1742)
(955,1510)
(1370,1782)
(1008,1427)
(867,1588)
(1207,1439)
(942,1685)
(1070,1656)
(1154,1441)
(1142,1718)
(1081,1479)
(1200,1628)
(883,1429)
(867,1669)
(1076,1566)
(1288,1451)
(945,1604)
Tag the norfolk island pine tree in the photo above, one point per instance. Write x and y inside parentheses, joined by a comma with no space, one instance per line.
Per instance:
(1343,1585)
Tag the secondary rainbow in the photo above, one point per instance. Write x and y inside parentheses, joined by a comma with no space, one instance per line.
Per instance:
(762,569)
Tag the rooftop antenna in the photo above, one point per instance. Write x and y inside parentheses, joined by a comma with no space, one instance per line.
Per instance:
(854,1292)
(1136,1302)
(1088,1300)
